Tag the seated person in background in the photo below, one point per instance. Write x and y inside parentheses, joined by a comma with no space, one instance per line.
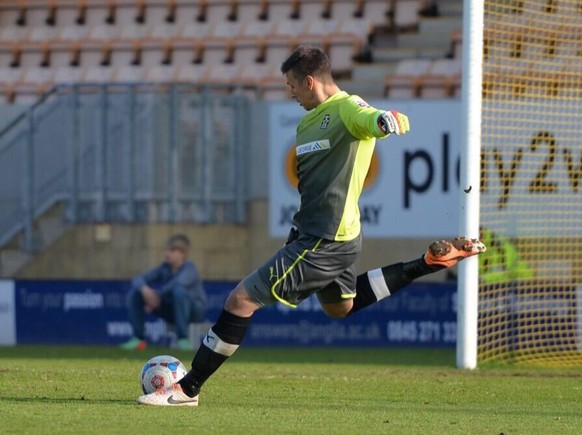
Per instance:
(172,291)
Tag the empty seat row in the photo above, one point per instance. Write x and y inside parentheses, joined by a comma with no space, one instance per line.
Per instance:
(192,31)
(82,12)
(29,84)
(341,51)
(414,78)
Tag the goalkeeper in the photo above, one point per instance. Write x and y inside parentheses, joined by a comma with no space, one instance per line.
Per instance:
(336,140)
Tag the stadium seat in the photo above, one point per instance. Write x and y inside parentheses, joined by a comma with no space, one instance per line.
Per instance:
(261,74)
(37,80)
(249,11)
(375,11)
(102,32)
(103,74)
(31,56)
(226,30)
(288,29)
(128,74)
(66,14)
(345,9)
(223,74)
(405,82)
(162,31)
(43,33)
(194,31)
(13,34)
(73,32)
(443,76)
(186,13)
(309,10)
(280,10)
(191,73)
(248,51)
(133,32)
(160,74)
(406,14)
(68,75)
(10,75)
(9,16)
(218,12)
(357,27)
(96,13)
(257,29)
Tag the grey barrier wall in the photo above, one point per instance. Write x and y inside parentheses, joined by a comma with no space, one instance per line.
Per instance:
(127,153)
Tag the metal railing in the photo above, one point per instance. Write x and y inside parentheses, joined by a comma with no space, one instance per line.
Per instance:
(125,153)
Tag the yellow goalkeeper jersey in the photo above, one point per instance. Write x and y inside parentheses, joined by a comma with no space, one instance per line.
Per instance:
(335,143)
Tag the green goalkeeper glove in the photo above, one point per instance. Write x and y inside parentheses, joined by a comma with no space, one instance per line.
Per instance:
(393,122)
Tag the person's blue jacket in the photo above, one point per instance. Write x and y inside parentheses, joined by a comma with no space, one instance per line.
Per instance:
(162,279)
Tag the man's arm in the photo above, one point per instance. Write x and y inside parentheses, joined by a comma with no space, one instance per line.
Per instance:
(366,122)
(148,277)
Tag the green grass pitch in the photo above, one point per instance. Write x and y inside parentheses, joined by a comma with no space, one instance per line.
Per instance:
(92,390)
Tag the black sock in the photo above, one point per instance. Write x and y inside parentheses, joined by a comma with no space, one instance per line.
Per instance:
(378,284)
(220,342)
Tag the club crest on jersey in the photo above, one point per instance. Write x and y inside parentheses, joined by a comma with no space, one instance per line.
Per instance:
(325,122)
(310,147)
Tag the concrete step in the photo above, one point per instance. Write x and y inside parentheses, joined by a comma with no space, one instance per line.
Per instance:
(372,72)
(392,54)
(11,261)
(367,89)
(441,25)
(50,229)
(47,229)
(450,8)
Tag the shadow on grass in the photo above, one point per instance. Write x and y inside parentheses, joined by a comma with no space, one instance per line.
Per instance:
(293,355)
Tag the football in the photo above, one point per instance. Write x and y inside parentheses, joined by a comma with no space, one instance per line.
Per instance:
(160,372)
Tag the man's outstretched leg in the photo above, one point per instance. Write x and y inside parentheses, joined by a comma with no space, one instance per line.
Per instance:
(221,341)
(380,283)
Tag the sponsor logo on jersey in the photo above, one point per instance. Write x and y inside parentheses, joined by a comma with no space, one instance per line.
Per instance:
(361,102)
(310,147)
(325,122)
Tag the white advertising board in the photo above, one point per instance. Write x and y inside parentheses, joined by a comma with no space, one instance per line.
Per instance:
(7,313)
(532,171)
(412,188)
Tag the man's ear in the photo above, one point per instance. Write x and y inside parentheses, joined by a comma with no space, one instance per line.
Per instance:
(310,82)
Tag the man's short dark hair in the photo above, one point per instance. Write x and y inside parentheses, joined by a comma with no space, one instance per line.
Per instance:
(178,241)
(308,61)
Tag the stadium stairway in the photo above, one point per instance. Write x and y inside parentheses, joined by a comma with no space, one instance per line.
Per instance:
(418,37)
(47,229)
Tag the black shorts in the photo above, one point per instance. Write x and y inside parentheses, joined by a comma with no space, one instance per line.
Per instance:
(304,266)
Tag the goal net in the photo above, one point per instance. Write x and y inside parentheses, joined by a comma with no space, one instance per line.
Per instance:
(530,280)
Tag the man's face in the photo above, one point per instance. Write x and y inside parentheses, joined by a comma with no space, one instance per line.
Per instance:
(174,256)
(302,90)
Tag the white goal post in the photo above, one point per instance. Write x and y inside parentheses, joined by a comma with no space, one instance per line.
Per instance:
(468,281)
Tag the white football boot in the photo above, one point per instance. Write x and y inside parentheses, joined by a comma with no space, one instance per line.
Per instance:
(171,396)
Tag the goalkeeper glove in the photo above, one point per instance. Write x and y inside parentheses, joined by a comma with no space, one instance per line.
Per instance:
(393,122)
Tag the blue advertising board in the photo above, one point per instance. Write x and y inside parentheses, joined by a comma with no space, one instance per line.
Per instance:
(94,312)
